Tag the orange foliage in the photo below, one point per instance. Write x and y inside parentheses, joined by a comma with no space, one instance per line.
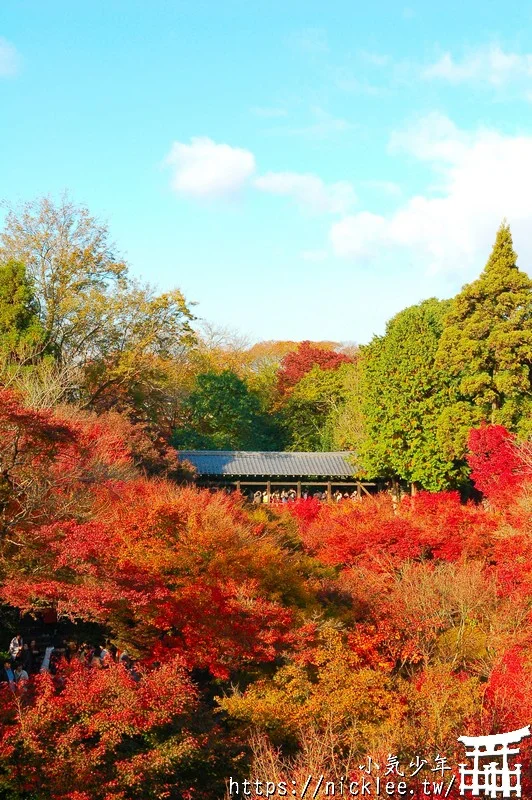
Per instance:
(376,626)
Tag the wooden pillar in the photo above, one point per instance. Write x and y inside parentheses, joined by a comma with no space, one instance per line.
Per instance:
(359,490)
(329,491)
(268,491)
(238,486)
(299,490)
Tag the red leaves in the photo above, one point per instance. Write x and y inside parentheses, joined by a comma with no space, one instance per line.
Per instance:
(161,559)
(296,364)
(306,510)
(512,564)
(509,691)
(98,733)
(344,533)
(427,526)
(224,628)
(496,469)
(31,442)
(22,428)
(447,528)
(430,589)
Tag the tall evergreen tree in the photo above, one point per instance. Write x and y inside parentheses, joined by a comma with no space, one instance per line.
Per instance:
(403,397)
(20,329)
(486,349)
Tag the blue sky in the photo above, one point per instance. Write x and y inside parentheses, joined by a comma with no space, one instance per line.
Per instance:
(301,169)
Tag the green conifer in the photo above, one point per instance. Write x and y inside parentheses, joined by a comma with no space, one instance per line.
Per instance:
(486,349)
(20,329)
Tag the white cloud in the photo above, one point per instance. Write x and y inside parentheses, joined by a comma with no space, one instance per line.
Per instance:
(9,59)
(205,169)
(389,188)
(344,79)
(484,65)
(433,137)
(311,40)
(269,112)
(358,235)
(309,191)
(314,256)
(483,177)
(375,59)
(323,125)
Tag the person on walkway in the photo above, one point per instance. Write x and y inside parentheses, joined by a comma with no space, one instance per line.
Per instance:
(21,676)
(36,656)
(45,666)
(15,647)
(7,675)
(27,658)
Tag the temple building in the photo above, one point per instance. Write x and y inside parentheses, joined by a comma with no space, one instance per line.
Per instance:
(274,471)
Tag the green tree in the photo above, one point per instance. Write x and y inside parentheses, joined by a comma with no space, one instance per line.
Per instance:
(403,397)
(72,265)
(20,330)
(116,344)
(313,406)
(346,420)
(486,349)
(223,414)
(137,360)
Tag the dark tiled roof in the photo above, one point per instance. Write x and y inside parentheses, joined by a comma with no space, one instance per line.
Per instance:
(239,462)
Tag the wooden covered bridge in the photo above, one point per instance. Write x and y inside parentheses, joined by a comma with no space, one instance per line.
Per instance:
(273,471)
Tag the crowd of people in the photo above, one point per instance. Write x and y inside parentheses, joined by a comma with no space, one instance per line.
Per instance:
(27,659)
(290,496)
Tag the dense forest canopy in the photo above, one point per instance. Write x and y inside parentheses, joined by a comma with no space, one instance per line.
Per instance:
(253,640)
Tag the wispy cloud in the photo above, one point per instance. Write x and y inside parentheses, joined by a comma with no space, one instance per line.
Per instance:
(489,65)
(374,59)
(309,191)
(205,169)
(321,125)
(484,176)
(388,188)
(346,79)
(269,112)
(9,59)
(311,40)
(315,256)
